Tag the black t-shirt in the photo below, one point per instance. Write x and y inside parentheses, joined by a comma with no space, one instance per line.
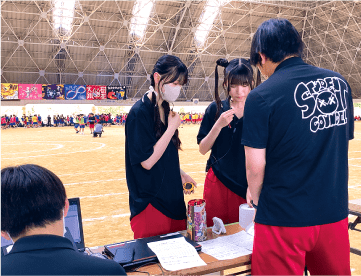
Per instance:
(227,157)
(92,119)
(53,255)
(160,186)
(303,116)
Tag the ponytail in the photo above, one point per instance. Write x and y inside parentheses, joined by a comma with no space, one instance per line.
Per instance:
(224,63)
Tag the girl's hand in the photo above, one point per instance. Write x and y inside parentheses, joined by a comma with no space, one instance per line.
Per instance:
(174,120)
(186,178)
(225,119)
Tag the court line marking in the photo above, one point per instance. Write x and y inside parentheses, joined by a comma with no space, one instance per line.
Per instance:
(102,145)
(115,194)
(59,147)
(354,186)
(120,170)
(94,181)
(115,179)
(200,163)
(106,217)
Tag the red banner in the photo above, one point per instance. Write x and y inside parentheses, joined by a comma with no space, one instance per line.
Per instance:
(96,92)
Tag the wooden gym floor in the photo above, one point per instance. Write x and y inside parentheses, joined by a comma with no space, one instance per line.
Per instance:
(93,169)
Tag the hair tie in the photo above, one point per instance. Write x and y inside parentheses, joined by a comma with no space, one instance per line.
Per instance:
(151,89)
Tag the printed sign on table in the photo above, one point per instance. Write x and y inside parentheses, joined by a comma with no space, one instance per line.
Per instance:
(75,92)
(30,91)
(96,92)
(9,91)
(53,91)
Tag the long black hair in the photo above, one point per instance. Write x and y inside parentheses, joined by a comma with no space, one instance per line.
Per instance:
(171,69)
(236,72)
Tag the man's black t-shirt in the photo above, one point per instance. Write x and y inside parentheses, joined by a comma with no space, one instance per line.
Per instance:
(303,116)
(91,119)
(53,255)
(227,156)
(160,186)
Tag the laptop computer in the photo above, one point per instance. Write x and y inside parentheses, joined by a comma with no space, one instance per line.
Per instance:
(73,226)
(142,253)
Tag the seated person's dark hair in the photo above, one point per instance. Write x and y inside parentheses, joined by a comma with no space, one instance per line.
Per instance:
(31,196)
(277,39)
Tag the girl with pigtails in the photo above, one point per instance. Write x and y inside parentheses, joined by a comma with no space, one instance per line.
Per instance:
(154,178)
(225,186)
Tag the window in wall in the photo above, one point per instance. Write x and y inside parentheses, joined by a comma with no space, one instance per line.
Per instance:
(139,21)
(63,15)
(207,18)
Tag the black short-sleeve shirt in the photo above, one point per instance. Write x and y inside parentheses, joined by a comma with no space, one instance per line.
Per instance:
(227,157)
(91,119)
(303,116)
(160,186)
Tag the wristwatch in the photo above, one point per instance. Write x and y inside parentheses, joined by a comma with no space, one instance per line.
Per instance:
(254,205)
(188,186)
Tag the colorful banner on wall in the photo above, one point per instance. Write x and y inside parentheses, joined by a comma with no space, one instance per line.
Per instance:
(9,91)
(75,92)
(116,92)
(30,91)
(53,91)
(96,92)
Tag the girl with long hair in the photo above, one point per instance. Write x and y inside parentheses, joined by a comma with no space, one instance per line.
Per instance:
(153,173)
(225,186)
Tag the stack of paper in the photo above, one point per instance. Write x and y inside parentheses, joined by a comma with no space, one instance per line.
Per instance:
(175,254)
(229,247)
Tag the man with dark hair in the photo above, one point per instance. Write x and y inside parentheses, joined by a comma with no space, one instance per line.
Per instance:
(33,208)
(296,129)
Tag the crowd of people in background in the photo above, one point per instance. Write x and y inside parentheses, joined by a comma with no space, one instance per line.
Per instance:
(35,120)
(357,118)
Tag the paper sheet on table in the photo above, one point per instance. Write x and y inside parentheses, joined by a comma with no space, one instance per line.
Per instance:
(175,254)
(229,247)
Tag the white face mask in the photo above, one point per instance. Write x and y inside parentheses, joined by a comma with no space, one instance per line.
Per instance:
(171,92)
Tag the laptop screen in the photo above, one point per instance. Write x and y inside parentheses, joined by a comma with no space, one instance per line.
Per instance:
(74,223)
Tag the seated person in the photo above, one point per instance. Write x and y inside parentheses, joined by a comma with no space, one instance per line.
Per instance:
(33,208)
(98,130)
